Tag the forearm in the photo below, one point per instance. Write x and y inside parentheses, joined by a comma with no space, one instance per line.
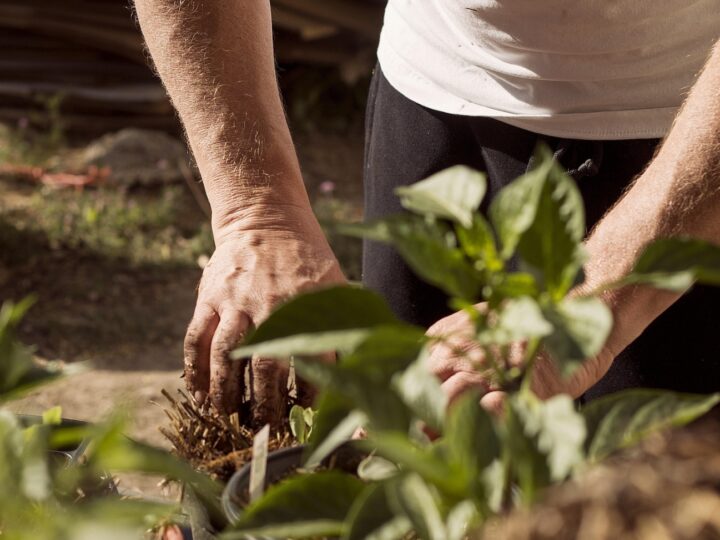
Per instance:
(678,195)
(216,61)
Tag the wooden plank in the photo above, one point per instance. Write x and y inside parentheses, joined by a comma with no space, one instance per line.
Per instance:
(126,44)
(363,18)
(308,27)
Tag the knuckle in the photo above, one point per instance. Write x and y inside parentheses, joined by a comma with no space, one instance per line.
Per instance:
(264,366)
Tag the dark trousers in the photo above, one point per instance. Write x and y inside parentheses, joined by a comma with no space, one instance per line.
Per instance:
(406,142)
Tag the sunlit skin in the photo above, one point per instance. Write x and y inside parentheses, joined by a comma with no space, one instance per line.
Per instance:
(216,61)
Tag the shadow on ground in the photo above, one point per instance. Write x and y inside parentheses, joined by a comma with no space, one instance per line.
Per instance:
(118,315)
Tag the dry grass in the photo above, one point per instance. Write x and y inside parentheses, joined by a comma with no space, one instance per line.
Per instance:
(210,441)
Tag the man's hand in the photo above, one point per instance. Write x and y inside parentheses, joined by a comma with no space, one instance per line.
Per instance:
(460,364)
(250,273)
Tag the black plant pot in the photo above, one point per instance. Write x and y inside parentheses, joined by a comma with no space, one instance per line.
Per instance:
(280,465)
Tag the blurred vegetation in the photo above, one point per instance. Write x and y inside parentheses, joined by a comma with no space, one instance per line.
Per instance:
(144,228)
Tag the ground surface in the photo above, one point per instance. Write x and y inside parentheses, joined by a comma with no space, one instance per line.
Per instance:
(115,277)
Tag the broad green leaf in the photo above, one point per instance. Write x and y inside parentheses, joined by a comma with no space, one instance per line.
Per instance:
(413,497)
(372,518)
(514,285)
(624,418)
(385,351)
(429,249)
(36,480)
(326,310)
(332,408)
(309,528)
(552,245)
(544,441)
(463,517)
(305,344)
(677,263)
(514,209)
(301,506)
(478,243)
(298,427)
(543,217)
(519,319)
(471,439)
(581,327)
(455,194)
(421,392)
(397,448)
(383,407)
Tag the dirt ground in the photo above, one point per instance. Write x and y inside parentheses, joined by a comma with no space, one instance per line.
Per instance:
(125,320)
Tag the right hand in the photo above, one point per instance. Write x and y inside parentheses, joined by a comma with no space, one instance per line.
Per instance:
(252,270)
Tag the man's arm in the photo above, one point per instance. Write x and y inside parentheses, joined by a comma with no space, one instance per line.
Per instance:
(215,58)
(678,195)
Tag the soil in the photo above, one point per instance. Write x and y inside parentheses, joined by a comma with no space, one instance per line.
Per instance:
(127,321)
(666,489)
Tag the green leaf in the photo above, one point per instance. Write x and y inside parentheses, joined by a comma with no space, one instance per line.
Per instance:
(372,518)
(463,517)
(542,215)
(302,506)
(514,209)
(429,249)
(543,441)
(332,408)
(414,498)
(624,418)
(397,448)
(385,351)
(478,243)
(305,344)
(455,194)
(552,246)
(519,319)
(332,318)
(581,327)
(471,439)
(421,392)
(384,408)
(676,263)
(298,427)
(514,285)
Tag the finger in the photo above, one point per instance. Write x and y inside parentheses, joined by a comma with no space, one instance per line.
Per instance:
(443,363)
(226,374)
(269,391)
(198,339)
(464,381)
(494,402)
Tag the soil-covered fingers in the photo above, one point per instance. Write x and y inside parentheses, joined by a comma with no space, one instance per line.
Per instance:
(269,391)
(198,340)
(226,374)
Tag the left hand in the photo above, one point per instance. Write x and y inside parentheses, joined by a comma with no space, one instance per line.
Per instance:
(460,364)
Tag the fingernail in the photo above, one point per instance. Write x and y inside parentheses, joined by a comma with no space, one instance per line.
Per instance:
(200,397)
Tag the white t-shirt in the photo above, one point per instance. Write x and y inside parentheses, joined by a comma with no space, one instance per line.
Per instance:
(586,69)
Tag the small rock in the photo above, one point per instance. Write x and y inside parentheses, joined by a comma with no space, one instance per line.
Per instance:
(137,156)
